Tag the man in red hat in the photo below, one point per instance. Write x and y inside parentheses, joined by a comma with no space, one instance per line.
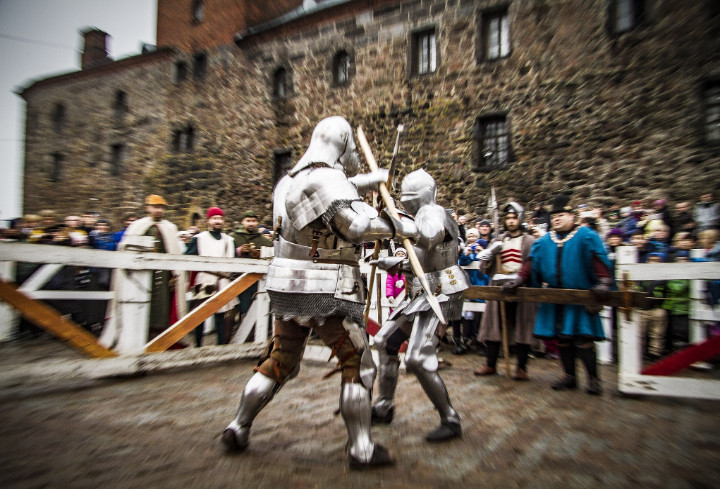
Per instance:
(212,242)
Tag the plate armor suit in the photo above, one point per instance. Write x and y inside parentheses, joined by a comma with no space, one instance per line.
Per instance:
(435,237)
(314,283)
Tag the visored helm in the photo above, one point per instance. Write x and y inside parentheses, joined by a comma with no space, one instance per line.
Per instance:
(514,208)
(418,189)
(332,143)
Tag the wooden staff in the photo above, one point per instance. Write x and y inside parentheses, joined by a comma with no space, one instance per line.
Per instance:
(379,301)
(376,251)
(503,324)
(390,206)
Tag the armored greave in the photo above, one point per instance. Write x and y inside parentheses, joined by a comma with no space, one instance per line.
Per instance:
(388,368)
(421,360)
(258,392)
(356,411)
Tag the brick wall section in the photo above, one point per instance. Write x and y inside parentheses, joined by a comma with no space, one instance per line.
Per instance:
(223,19)
(611,117)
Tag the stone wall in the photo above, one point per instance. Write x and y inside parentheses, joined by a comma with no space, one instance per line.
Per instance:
(612,118)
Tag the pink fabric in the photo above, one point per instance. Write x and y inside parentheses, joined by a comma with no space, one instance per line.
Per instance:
(391,289)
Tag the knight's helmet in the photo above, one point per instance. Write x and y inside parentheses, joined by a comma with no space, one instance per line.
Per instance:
(418,189)
(332,143)
(514,208)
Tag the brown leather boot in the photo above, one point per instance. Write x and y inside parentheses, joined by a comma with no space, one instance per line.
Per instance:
(485,371)
(520,375)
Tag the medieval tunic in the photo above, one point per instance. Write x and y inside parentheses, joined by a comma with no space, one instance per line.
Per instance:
(219,245)
(130,338)
(515,252)
(574,265)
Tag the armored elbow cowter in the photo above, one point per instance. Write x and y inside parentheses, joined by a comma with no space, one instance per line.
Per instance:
(369,181)
(357,224)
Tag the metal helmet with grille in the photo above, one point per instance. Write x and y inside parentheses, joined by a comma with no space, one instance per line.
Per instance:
(418,189)
(332,143)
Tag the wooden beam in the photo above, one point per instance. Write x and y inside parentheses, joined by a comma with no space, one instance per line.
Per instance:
(51,320)
(129,260)
(193,319)
(555,296)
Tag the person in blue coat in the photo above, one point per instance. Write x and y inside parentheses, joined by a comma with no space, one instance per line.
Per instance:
(569,257)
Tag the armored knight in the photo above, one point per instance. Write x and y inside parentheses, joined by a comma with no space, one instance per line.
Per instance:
(435,237)
(314,282)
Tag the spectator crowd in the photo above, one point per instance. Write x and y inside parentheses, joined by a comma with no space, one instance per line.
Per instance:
(661,233)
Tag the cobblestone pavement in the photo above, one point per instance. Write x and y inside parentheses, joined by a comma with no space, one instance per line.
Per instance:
(162,430)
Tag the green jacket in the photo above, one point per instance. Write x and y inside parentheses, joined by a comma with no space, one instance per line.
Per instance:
(242,237)
(677,297)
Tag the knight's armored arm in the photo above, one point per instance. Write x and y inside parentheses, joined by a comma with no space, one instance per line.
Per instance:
(358,227)
(369,181)
(385,263)
(403,227)
(488,253)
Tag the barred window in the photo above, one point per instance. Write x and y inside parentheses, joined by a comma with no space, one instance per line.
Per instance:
(423,54)
(280,83)
(492,140)
(183,140)
(341,68)
(496,29)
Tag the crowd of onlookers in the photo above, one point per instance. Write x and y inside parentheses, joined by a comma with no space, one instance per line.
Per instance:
(660,234)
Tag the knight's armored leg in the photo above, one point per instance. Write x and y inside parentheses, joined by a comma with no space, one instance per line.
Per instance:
(355,409)
(281,364)
(258,392)
(421,360)
(354,395)
(389,367)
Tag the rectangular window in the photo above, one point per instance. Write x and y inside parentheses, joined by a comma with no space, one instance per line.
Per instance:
(57,166)
(199,66)
(625,15)
(118,157)
(496,28)
(712,112)
(492,140)
(181,70)
(427,59)
(58,117)
(121,104)
(282,164)
(423,55)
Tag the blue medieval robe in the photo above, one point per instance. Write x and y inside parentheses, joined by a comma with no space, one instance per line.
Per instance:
(567,267)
